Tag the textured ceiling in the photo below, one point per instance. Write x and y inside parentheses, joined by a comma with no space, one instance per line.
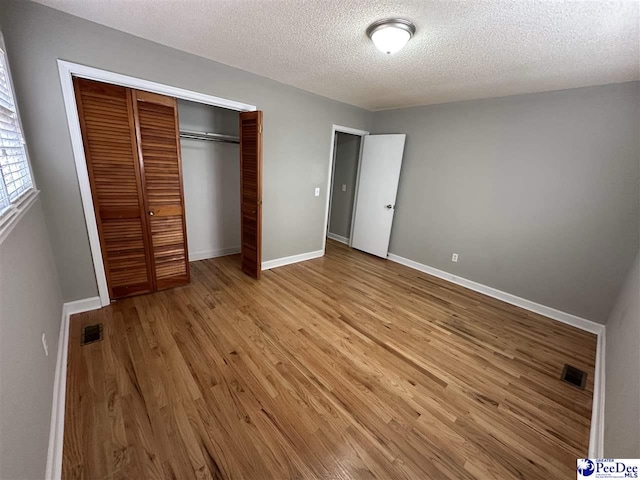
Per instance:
(462,49)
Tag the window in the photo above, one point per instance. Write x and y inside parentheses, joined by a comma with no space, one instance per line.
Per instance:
(15,180)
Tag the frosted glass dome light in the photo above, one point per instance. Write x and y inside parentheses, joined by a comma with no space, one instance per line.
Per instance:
(389,36)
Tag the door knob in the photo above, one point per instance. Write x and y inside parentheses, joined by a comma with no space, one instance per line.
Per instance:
(388,206)
(151,213)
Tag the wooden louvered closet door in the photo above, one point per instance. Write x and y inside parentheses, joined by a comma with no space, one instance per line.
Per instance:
(251,192)
(106,121)
(156,121)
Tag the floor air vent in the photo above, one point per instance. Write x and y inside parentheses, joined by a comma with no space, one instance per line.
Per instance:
(92,333)
(574,376)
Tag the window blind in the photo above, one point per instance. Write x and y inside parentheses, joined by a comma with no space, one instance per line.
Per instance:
(16,177)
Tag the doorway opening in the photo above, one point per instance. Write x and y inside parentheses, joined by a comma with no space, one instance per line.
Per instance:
(342,137)
(364,173)
(342,194)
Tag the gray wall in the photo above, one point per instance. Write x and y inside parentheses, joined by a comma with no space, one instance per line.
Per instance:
(538,194)
(297,129)
(622,398)
(345,173)
(211,179)
(30,304)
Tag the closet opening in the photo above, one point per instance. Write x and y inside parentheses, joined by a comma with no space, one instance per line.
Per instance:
(210,146)
(161,176)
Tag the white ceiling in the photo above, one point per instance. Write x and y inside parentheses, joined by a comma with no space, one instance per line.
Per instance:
(462,49)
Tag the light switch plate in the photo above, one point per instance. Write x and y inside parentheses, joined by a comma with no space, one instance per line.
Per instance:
(344,188)
(317,191)
(45,345)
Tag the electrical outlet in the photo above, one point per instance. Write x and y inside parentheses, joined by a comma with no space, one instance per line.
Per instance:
(454,257)
(344,188)
(45,345)
(317,191)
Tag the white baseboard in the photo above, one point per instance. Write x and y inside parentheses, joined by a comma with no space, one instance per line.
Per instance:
(338,238)
(596,434)
(581,323)
(280,262)
(56,432)
(216,252)
(79,306)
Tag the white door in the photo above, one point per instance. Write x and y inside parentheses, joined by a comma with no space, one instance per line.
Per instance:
(377,189)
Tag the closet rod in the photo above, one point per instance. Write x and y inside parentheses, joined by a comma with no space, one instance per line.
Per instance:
(211,137)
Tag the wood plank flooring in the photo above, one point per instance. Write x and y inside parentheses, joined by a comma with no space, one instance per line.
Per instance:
(343,367)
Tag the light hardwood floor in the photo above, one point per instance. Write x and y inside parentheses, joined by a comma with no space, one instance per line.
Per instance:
(347,366)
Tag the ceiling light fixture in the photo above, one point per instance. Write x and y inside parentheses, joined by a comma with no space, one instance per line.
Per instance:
(391,35)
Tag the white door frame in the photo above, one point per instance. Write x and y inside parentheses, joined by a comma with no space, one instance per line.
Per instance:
(333,176)
(335,129)
(67,70)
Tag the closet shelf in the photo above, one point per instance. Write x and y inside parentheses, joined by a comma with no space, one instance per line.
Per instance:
(211,137)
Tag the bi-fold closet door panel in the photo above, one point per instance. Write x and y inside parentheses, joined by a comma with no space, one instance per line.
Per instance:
(251,192)
(131,142)
(108,130)
(157,131)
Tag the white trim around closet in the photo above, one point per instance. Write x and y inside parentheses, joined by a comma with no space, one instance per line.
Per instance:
(67,71)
